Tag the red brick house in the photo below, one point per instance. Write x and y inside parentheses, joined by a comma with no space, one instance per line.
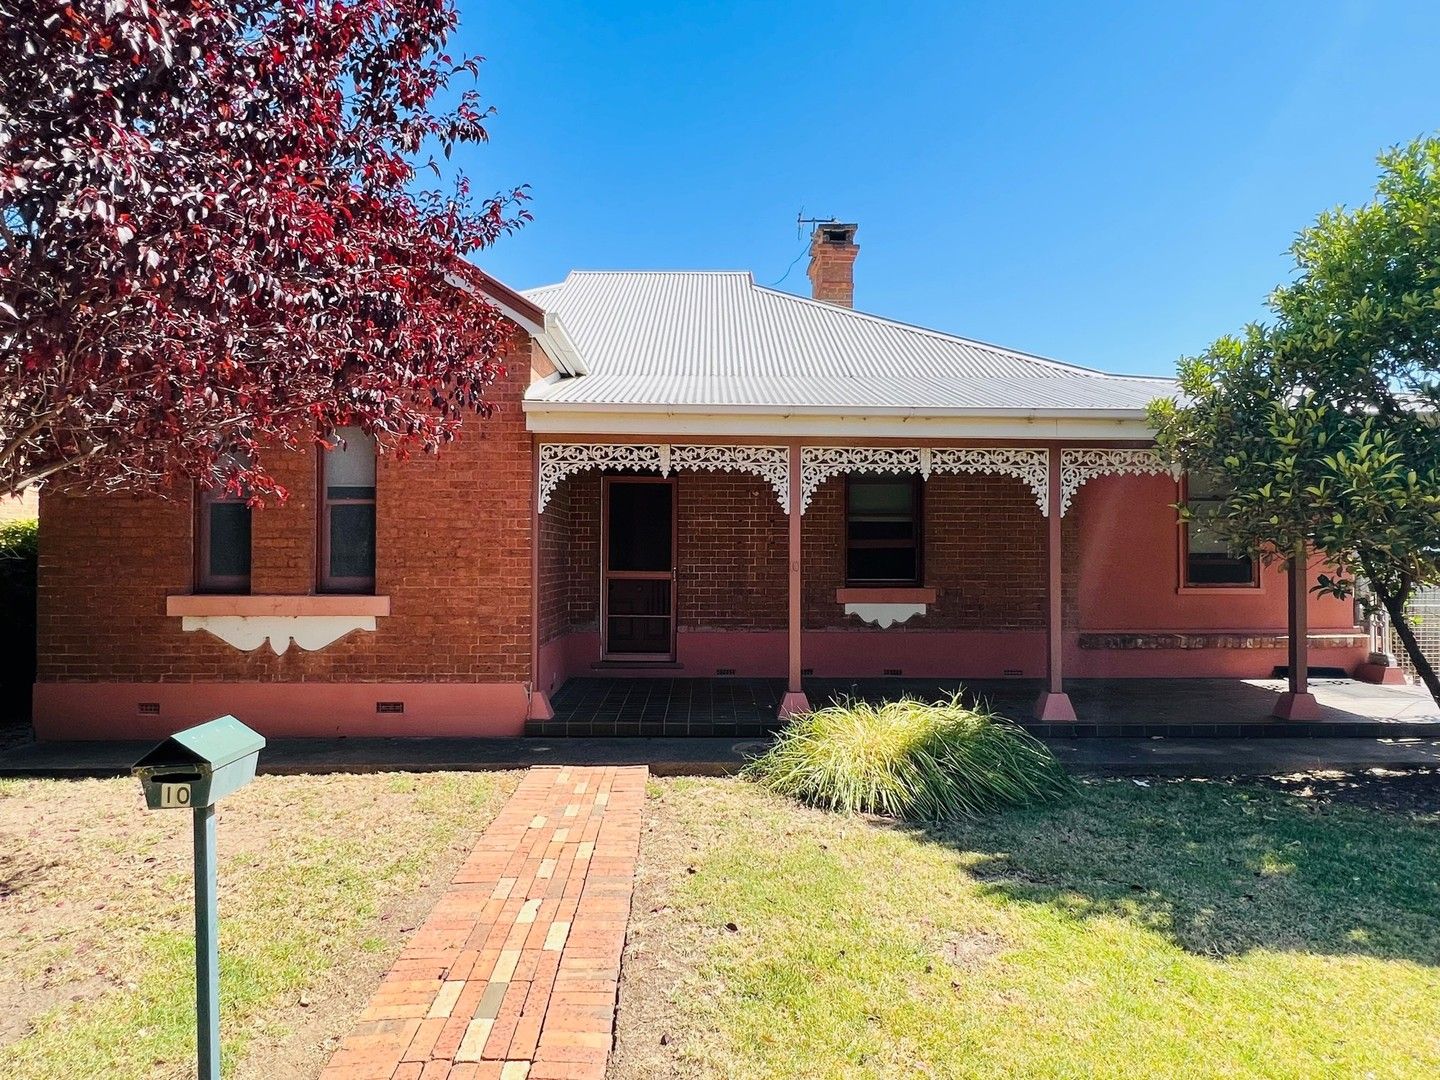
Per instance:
(693,475)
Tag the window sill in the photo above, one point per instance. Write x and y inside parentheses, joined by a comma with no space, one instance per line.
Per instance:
(884,595)
(250,606)
(1249,586)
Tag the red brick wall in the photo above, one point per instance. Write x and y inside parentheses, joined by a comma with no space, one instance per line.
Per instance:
(453,554)
(570,557)
(984,554)
(554,576)
(583,564)
(730,562)
(733,537)
(984,540)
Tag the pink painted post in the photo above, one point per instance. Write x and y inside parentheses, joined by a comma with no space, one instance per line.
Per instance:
(539,706)
(1297,703)
(794,701)
(1054,705)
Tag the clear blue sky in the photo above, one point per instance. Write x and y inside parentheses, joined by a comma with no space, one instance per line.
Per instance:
(1109,184)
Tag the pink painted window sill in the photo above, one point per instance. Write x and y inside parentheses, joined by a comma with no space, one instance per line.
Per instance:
(216,604)
(884,596)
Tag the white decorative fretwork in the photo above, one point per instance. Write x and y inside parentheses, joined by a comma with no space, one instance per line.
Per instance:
(559,460)
(1078,466)
(770,463)
(249,632)
(885,615)
(819,463)
(1027,463)
(1030,464)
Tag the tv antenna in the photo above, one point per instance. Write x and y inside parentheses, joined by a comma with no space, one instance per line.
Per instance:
(801,221)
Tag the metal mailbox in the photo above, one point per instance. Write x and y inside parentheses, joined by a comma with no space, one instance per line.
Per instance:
(192,770)
(200,765)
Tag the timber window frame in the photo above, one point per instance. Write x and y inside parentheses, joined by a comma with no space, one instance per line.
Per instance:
(345,549)
(1205,564)
(223,541)
(884,532)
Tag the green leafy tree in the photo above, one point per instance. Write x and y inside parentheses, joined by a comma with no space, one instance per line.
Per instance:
(1321,424)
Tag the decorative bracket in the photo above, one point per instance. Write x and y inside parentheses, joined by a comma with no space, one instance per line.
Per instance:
(1028,463)
(249,632)
(819,463)
(770,463)
(885,615)
(1080,465)
(559,460)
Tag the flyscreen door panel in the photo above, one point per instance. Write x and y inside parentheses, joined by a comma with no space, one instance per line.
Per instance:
(638,591)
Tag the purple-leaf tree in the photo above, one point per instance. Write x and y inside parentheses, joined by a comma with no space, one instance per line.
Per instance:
(214,244)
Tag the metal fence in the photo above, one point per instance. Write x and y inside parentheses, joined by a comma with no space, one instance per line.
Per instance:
(1424,613)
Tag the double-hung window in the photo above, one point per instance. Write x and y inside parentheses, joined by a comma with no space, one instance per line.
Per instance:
(1208,560)
(347,513)
(222,549)
(882,530)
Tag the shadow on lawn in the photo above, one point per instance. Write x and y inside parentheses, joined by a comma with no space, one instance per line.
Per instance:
(1222,869)
(16,877)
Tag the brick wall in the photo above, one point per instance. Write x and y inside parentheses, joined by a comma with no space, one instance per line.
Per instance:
(984,540)
(555,527)
(732,557)
(984,553)
(730,561)
(570,557)
(583,564)
(453,554)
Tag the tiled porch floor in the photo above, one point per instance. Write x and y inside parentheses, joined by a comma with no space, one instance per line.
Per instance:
(660,707)
(1223,708)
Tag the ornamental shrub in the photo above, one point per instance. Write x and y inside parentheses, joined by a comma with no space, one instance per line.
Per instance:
(909,759)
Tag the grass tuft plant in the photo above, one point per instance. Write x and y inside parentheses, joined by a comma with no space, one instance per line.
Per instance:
(909,759)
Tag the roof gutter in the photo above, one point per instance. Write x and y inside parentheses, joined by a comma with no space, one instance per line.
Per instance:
(541,405)
(619,421)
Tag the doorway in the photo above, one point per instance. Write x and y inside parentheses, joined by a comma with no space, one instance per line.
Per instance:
(637,595)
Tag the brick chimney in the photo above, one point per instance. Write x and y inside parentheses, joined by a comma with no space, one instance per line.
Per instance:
(832,263)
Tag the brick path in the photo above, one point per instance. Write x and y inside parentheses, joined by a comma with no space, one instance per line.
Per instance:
(514,974)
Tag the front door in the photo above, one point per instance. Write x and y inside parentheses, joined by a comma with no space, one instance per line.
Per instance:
(637,615)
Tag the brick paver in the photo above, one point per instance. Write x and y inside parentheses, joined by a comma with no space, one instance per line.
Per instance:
(514,974)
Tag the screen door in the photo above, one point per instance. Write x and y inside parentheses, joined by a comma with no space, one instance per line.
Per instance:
(638,593)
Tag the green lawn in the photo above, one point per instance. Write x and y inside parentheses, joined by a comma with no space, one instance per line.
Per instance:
(1176,929)
(320,877)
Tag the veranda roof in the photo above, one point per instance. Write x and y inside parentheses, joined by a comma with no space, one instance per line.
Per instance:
(715,342)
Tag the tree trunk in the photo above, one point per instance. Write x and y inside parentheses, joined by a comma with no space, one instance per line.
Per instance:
(1395,606)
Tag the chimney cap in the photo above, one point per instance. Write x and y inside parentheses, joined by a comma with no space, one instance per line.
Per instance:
(835,232)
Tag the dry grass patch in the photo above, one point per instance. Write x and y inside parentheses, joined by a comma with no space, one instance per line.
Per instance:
(321,878)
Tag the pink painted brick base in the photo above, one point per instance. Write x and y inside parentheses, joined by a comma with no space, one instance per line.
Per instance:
(515,973)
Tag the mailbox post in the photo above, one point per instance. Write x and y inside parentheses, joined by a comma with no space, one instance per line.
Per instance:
(192,770)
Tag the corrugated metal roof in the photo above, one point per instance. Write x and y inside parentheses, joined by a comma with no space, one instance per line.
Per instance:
(716,338)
